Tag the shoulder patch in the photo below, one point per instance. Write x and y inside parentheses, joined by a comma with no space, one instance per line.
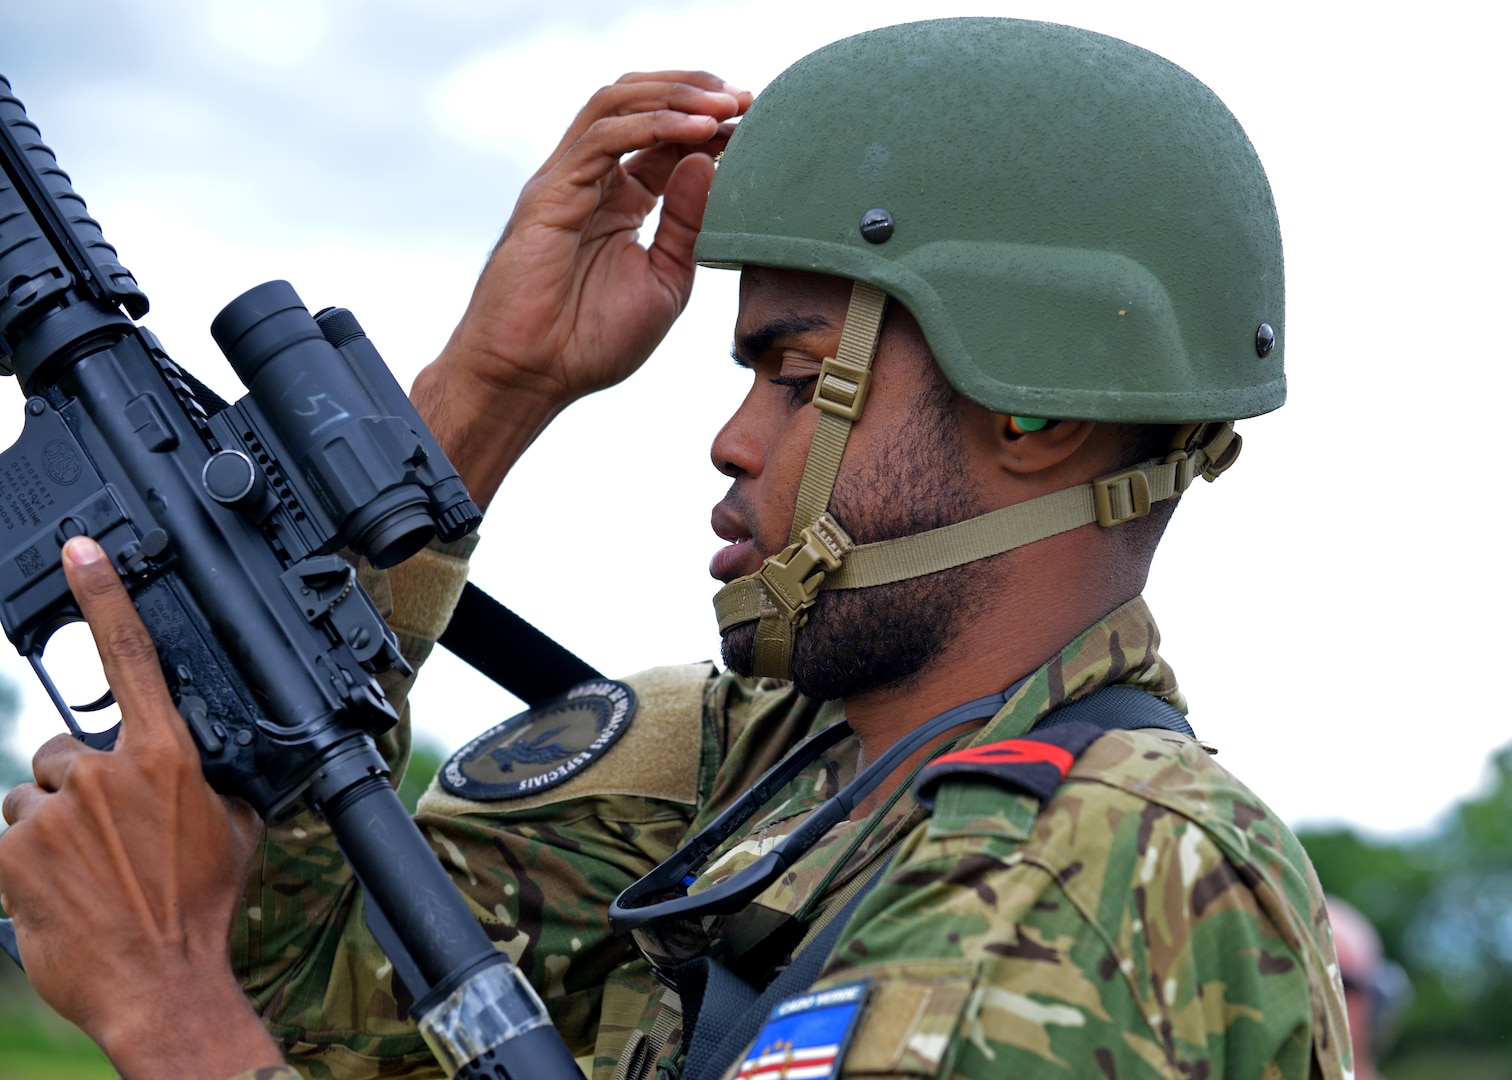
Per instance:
(542,747)
(805,1037)
(1035,764)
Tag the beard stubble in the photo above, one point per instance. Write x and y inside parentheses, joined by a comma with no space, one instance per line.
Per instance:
(885,636)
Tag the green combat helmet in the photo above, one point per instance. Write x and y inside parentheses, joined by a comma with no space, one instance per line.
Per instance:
(1081,229)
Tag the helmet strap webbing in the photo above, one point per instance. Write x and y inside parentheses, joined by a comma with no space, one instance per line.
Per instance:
(1110,500)
(789,581)
(839,395)
(1207,451)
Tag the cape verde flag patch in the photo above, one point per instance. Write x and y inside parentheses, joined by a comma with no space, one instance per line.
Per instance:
(805,1037)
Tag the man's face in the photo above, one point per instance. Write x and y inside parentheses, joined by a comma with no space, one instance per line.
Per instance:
(905,470)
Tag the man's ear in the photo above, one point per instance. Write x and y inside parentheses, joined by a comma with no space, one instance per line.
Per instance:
(1026,452)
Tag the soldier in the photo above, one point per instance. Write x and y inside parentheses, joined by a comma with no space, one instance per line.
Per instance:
(1377,992)
(1004,288)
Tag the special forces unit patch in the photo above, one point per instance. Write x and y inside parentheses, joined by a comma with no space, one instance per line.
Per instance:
(542,747)
(805,1037)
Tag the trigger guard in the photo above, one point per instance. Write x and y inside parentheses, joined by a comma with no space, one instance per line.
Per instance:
(100,740)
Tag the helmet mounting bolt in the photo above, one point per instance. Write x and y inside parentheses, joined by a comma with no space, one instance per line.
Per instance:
(876,226)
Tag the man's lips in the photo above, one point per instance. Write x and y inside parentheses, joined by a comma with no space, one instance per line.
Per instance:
(739,556)
(729,562)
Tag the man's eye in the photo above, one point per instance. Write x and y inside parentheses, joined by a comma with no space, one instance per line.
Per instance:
(800,385)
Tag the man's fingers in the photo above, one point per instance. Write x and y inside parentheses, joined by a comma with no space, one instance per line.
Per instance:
(50,764)
(689,93)
(19,801)
(599,152)
(652,167)
(570,194)
(718,100)
(671,251)
(125,647)
(703,79)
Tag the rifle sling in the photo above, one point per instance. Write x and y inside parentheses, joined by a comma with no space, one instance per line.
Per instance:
(510,651)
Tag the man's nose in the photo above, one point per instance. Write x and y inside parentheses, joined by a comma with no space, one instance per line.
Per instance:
(738,449)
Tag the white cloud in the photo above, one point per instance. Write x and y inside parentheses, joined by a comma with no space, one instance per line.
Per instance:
(277,33)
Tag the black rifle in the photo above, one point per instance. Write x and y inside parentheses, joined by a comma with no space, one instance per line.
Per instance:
(226,524)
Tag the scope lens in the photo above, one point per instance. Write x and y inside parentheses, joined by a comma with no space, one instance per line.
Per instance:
(396,536)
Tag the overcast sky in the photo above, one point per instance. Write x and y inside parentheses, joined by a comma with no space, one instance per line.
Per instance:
(1333,607)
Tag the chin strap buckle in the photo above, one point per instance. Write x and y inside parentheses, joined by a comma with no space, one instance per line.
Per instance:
(792,577)
(1121,496)
(842,388)
(1221,451)
(1205,450)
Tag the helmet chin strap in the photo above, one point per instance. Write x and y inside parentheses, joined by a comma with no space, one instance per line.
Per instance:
(786,586)
(820,555)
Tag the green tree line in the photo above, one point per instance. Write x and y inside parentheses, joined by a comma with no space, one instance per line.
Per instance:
(1443,906)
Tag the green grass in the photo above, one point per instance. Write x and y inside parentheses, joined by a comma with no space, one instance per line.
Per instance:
(36,1044)
(1457,1063)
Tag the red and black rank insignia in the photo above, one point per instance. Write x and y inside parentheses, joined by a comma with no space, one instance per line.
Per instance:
(1035,764)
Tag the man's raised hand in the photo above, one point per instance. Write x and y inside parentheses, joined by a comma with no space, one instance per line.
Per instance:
(570,301)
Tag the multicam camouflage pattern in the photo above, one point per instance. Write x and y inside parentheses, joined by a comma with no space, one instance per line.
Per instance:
(1155,920)
(1146,923)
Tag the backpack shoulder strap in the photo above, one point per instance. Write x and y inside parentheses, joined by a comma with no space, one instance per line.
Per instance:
(1120,708)
(1035,764)
(730,1013)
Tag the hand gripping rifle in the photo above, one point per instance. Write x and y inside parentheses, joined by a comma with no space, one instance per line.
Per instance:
(226,524)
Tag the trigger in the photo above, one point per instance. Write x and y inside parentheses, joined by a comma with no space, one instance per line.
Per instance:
(104,701)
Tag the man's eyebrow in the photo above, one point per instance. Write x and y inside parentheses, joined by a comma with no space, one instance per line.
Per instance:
(759,340)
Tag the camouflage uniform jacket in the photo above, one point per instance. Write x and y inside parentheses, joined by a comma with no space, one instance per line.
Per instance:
(1154,919)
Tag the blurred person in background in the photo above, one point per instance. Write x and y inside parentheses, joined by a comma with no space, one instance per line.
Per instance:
(1376,991)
